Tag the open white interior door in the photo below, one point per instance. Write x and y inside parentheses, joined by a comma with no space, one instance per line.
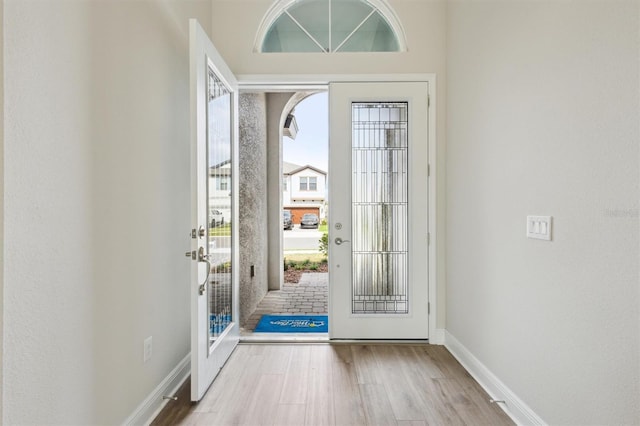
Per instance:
(214,211)
(378,210)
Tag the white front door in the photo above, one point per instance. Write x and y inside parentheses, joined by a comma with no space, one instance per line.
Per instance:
(214,211)
(378,210)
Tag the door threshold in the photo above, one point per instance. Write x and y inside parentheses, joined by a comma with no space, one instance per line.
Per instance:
(322,338)
(285,338)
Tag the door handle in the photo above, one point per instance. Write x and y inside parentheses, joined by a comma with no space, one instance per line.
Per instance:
(340,241)
(201,257)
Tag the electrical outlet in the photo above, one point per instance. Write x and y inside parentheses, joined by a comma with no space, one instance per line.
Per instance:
(148,348)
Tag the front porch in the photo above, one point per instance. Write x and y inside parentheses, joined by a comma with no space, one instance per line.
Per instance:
(308,296)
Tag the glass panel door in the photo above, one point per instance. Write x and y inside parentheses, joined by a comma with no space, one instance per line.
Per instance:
(214,202)
(379,229)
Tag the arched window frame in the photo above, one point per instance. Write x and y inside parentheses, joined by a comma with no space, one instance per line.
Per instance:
(280,6)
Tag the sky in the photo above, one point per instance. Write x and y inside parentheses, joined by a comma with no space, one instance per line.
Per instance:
(311,144)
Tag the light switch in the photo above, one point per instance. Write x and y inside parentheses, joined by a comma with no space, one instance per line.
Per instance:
(539,227)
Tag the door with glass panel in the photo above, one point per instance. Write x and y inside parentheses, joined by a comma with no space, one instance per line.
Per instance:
(378,211)
(214,211)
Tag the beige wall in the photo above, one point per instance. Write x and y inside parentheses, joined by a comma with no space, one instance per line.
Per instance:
(277,103)
(96,186)
(542,119)
(424,23)
(1,202)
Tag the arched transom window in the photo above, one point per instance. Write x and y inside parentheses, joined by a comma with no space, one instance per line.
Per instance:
(330,26)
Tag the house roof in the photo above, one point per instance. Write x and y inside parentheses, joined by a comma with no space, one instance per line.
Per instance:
(287,168)
(220,169)
(292,169)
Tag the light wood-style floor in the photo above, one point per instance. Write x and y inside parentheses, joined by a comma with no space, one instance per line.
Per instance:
(338,384)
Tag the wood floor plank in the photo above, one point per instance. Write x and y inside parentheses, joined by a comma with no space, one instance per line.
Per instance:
(262,408)
(347,401)
(455,395)
(231,402)
(216,396)
(449,366)
(290,414)
(377,408)
(402,383)
(319,407)
(482,400)
(429,367)
(366,365)
(296,377)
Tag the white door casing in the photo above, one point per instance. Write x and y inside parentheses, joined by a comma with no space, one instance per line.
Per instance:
(347,319)
(210,349)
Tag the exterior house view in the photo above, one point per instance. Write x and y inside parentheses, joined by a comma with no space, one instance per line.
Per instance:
(219,190)
(304,190)
(482,195)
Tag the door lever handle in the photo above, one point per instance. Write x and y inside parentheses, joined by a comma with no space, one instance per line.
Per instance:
(340,241)
(204,258)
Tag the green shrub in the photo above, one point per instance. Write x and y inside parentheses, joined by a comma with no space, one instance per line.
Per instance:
(324,244)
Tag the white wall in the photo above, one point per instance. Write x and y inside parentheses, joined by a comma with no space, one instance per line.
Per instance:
(542,119)
(424,23)
(96,205)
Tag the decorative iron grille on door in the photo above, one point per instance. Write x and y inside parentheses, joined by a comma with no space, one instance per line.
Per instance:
(380,240)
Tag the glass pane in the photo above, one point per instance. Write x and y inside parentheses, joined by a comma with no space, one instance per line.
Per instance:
(380,208)
(346,15)
(313,15)
(374,35)
(219,139)
(286,36)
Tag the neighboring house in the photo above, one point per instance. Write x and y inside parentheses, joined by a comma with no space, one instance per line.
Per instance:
(304,190)
(220,189)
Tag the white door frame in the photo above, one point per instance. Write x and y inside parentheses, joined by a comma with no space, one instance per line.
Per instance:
(289,83)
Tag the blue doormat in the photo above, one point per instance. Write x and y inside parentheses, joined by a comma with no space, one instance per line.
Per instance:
(293,324)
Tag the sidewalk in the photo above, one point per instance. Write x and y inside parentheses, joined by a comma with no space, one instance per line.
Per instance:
(309,296)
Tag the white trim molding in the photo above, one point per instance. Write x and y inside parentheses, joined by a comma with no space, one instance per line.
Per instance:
(320,82)
(513,406)
(154,403)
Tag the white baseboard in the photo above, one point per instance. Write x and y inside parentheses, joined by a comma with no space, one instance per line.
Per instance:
(153,404)
(515,408)
(437,337)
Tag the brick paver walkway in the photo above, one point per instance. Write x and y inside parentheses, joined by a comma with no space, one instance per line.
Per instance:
(309,296)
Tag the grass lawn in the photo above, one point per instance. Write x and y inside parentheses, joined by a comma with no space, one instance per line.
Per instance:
(220,231)
(300,257)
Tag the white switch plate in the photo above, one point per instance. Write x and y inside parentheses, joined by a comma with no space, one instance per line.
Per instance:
(539,227)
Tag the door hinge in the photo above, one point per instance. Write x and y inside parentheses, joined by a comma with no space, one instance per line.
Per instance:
(428,308)
(428,238)
(428,101)
(428,170)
